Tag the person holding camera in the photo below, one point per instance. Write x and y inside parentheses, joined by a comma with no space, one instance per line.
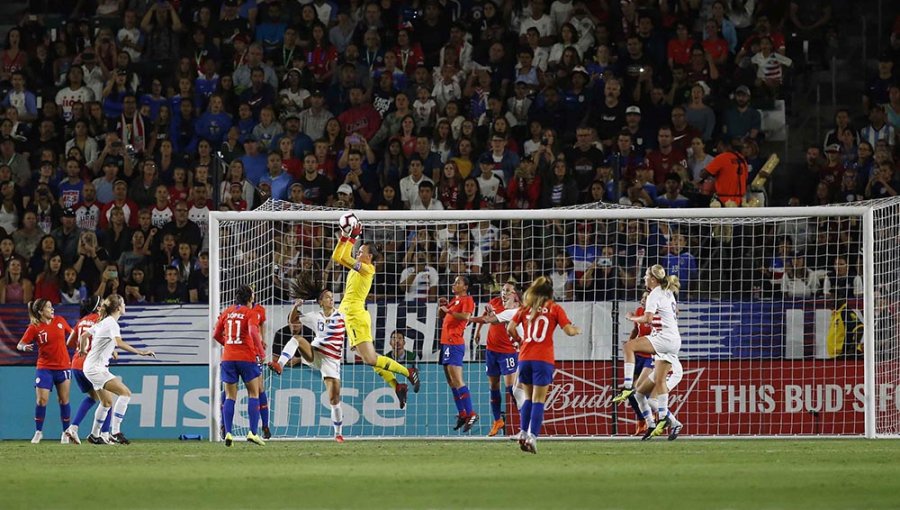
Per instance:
(92,259)
(109,282)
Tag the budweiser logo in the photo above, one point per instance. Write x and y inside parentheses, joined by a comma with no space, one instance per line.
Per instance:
(573,397)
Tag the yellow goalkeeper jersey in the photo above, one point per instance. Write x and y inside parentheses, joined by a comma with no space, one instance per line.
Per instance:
(355,291)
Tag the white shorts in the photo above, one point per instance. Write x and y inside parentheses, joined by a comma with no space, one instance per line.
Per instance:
(673,378)
(329,367)
(665,343)
(98,376)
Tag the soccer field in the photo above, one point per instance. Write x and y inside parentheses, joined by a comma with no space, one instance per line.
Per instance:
(454,474)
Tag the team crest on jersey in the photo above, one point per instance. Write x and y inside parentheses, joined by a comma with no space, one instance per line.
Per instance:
(58,325)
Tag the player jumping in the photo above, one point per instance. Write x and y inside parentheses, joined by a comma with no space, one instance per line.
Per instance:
(664,342)
(357,318)
(326,350)
(455,315)
(642,367)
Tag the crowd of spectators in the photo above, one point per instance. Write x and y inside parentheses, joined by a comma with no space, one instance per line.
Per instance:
(124,122)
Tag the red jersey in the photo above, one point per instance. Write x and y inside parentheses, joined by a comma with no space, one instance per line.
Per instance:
(238,330)
(260,313)
(51,339)
(452,329)
(498,339)
(642,330)
(661,164)
(538,342)
(80,327)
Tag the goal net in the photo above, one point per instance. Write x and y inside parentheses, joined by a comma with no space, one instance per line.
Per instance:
(788,316)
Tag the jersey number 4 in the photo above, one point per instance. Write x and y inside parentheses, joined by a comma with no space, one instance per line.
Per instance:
(536,330)
(234,331)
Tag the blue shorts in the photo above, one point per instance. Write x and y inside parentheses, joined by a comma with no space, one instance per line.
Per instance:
(452,355)
(46,379)
(536,373)
(246,370)
(641,363)
(82,380)
(500,363)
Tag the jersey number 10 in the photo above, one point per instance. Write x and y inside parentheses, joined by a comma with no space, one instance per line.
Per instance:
(536,330)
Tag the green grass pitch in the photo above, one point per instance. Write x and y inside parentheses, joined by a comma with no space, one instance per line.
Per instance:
(382,475)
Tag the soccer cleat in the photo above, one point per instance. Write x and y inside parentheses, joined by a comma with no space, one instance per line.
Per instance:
(402,390)
(119,438)
(267,434)
(275,367)
(470,422)
(72,433)
(460,421)
(623,396)
(660,427)
(641,429)
(517,437)
(339,438)
(530,444)
(229,440)
(64,439)
(523,436)
(414,378)
(496,427)
(255,439)
(38,435)
(92,439)
(675,430)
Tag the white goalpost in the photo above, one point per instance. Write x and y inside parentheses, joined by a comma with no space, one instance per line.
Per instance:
(789,316)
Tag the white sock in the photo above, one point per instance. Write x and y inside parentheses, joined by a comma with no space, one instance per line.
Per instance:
(644,406)
(288,352)
(519,395)
(337,418)
(99,418)
(119,409)
(628,376)
(662,405)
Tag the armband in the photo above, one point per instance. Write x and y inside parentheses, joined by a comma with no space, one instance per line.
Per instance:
(357,266)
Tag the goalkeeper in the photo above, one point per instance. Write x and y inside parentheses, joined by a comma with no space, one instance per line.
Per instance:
(357,319)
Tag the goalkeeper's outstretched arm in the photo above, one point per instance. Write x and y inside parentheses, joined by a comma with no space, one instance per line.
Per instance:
(341,253)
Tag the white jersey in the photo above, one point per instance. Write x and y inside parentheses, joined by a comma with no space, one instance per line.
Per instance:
(330,332)
(661,303)
(506,315)
(103,343)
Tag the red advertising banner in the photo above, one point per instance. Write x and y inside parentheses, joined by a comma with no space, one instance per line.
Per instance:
(719,398)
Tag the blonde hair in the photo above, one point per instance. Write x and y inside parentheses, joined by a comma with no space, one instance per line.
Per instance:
(110,305)
(537,295)
(670,282)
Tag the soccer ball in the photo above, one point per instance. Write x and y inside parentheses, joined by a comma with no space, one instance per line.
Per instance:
(348,221)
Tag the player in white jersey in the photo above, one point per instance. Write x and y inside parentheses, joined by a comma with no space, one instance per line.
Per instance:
(327,348)
(664,342)
(105,337)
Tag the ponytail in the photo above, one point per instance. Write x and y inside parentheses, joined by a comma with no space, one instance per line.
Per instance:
(90,305)
(666,282)
(537,296)
(671,283)
(110,305)
(34,310)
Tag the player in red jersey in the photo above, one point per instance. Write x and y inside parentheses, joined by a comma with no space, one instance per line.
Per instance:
(53,362)
(89,317)
(455,315)
(539,316)
(238,331)
(643,364)
(501,355)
